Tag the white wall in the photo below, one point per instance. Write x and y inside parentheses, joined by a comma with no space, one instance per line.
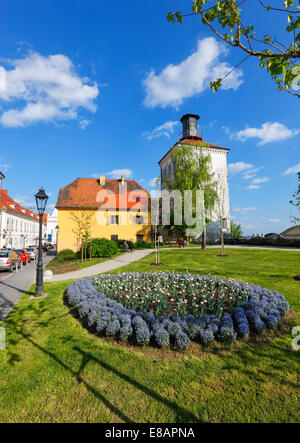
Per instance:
(18,231)
(52,221)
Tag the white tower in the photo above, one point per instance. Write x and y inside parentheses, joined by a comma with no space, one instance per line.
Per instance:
(191,137)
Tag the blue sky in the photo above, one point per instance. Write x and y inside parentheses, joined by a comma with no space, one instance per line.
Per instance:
(96,87)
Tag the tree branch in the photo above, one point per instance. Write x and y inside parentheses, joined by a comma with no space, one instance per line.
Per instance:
(271,8)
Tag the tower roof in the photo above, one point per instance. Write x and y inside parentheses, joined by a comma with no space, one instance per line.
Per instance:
(185,116)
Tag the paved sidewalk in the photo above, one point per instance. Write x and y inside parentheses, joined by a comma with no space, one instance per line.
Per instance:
(131,257)
(106,266)
(15,285)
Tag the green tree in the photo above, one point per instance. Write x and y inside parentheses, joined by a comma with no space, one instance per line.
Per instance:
(236,230)
(193,173)
(227,19)
(296,201)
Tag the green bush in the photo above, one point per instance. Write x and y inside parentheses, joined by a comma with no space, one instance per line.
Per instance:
(65,255)
(144,245)
(101,247)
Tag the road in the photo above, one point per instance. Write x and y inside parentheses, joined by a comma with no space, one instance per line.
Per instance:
(13,285)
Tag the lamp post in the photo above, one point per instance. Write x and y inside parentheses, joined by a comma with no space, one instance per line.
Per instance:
(41,200)
(56,230)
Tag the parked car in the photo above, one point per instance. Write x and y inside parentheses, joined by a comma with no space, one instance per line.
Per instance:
(272,236)
(24,255)
(31,252)
(9,260)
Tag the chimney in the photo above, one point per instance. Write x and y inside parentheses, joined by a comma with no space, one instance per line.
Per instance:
(102,180)
(190,127)
(122,179)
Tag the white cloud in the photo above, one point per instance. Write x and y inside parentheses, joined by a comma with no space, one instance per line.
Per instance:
(176,83)
(117,173)
(253,187)
(251,173)
(235,168)
(164,130)
(243,209)
(4,166)
(152,182)
(257,181)
(25,201)
(292,170)
(274,220)
(44,89)
(269,132)
(84,123)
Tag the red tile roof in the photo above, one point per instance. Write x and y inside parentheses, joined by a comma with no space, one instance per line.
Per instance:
(7,203)
(86,193)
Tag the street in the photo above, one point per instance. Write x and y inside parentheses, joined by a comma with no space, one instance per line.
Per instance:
(13,285)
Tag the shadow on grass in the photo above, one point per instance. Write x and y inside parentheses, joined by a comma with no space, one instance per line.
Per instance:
(17,325)
(182,414)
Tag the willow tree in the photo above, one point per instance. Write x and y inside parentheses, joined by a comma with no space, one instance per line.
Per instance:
(193,173)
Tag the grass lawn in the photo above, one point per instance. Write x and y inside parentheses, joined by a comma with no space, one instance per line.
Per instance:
(55,371)
(61,267)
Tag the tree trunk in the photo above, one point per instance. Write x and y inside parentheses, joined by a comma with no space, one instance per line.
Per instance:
(204,239)
(222,244)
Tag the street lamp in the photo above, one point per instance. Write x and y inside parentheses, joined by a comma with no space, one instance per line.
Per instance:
(56,230)
(41,201)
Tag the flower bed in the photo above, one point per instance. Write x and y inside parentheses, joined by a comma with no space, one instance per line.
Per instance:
(169,294)
(262,310)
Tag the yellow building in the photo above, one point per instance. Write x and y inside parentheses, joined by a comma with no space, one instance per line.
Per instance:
(105,208)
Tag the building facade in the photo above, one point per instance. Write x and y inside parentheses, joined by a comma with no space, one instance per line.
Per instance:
(52,223)
(117,210)
(292,233)
(19,227)
(192,138)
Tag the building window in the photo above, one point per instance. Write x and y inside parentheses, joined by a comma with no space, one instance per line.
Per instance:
(165,172)
(114,237)
(114,220)
(139,220)
(139,238)
(169,169)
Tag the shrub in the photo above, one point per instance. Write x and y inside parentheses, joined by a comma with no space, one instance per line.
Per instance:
(101,247)
(162,338)
(113,328)
(144,245)
(206,336)
(125,332)
(65,255)
(181,341)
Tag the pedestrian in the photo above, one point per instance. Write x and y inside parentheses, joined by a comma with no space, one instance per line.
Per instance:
(160,240)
